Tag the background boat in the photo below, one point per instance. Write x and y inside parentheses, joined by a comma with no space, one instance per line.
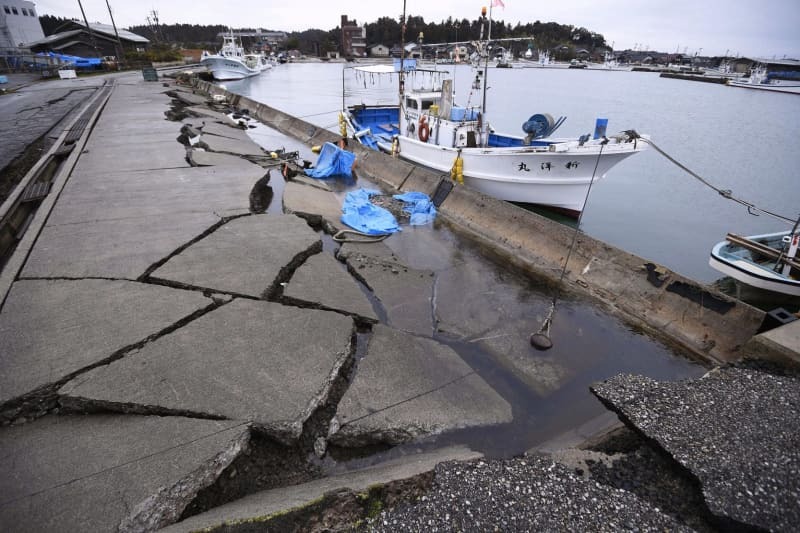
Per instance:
(232,63)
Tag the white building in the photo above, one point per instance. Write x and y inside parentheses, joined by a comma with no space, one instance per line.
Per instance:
(19,24)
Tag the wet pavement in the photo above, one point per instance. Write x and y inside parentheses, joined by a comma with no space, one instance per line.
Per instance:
(169,328)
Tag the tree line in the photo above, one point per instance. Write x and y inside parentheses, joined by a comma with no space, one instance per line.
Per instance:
(385,30)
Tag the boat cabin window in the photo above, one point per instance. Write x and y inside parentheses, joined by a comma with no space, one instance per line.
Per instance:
(411,103)
(426,104)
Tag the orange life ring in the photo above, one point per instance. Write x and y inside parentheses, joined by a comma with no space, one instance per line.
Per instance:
(424,130)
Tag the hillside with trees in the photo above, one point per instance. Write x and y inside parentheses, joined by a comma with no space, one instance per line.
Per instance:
(385,30)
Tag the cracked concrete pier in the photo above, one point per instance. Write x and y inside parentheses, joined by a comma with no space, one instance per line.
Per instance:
(174,354)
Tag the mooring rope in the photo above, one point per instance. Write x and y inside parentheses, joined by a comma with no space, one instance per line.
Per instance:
(541,339)
(725,193)
(340,236)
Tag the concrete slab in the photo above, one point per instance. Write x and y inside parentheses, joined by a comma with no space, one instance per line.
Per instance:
(222,129)
(320,207)
(324,281)
(407,387)
(203,111)
(136,155)
(114,248)
(233,146)
(248,256)
(258,508)
(735,430)
(189,98)
(109,473)
(780,344)
(156,193)
(51,329)
(247,360)
(405,293)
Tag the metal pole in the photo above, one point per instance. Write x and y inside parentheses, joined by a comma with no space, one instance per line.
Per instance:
(91,35)
(116,33)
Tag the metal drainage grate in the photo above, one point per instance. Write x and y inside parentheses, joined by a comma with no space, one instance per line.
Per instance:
(35,191)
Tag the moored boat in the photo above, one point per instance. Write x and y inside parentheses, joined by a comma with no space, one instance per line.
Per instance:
(768,262)
(232,63)
(761,79)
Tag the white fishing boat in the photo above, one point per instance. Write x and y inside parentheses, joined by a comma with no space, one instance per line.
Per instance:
(232,63)
(767,262)
(429,128)
(761,79)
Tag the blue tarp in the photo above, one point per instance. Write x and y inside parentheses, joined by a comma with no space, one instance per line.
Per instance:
(419,206)
(79,62)
(363,216)
(332,161)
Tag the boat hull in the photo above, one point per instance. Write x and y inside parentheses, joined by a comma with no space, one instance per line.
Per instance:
(737,263)
(525,175)
(225,68)
(790,88)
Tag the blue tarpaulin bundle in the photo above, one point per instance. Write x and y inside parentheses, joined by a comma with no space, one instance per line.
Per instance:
(370,219)
(363,216)
(332,161)
(419,206)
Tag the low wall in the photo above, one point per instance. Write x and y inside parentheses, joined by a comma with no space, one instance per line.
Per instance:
(669,306)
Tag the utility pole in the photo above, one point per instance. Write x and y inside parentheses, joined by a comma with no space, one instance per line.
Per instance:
(120,51)
(89,29)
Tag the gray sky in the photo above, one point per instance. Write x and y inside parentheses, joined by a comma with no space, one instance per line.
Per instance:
(763,28)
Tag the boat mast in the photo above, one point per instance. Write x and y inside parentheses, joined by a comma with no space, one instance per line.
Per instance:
(486,51)
(401,88)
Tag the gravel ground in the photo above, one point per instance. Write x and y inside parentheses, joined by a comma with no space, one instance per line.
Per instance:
(531,493)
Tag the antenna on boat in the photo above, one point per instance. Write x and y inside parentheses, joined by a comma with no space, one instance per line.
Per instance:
(541,339)
(401,87)
(486,51)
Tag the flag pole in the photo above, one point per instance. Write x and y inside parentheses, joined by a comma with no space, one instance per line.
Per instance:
(486,69)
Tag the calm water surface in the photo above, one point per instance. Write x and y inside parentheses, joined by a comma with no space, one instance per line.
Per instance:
(739,139)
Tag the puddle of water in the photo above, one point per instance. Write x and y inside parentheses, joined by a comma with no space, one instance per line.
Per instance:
(548,391)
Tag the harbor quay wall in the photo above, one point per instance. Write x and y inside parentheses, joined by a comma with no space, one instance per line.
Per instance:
(667,305)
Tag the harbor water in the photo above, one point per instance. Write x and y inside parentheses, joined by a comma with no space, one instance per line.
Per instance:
(737,139)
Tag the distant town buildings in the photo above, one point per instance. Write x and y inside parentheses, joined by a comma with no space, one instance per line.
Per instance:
(354,38)
(19,25)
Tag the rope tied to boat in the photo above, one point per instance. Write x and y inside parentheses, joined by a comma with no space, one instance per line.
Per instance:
(725,193)
(541,339)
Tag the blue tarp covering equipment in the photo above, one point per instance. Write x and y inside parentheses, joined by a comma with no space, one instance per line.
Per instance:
(419,206)
(363,216)
(332,161)
(370,219)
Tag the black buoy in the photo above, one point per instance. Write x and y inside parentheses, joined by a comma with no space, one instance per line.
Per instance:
(540,341)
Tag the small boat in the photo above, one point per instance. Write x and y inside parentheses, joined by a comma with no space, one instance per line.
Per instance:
(232,63)
(769,262)
(761,79)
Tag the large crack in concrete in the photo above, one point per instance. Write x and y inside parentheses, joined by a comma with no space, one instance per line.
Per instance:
(45,399)
(166,506)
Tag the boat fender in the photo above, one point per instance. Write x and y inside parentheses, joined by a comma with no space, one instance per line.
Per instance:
(424,130)
(395,146)
(457,170)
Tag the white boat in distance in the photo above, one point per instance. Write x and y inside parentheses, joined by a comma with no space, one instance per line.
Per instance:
(767,262)
(430,129)
(761,79)
(232,63)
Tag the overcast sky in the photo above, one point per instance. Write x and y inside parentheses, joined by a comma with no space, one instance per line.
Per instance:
(763,28)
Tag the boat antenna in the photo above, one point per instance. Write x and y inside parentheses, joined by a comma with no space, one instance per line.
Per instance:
(401,87)
(541,339)
(486,51)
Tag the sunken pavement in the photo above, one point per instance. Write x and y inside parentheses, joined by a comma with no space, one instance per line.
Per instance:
(173,355)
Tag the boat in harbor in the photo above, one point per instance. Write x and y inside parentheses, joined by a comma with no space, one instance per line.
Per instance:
(428,127)
(768,262)
(232,63)
(762,79)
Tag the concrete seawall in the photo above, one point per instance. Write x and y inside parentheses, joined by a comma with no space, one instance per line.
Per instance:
(674,308)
